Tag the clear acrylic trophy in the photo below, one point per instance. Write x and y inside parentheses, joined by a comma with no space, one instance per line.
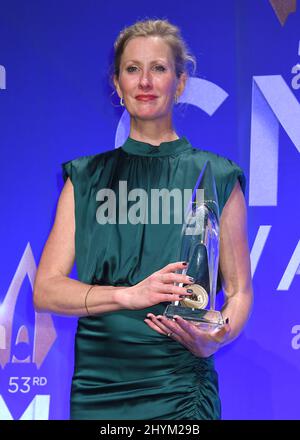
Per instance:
(200,248)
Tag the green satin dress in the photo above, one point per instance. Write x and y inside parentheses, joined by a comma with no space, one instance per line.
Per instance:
(123,369)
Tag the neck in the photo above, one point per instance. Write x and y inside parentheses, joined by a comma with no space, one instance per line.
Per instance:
(153,132)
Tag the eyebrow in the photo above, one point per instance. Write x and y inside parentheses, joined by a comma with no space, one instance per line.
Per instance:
(154,61)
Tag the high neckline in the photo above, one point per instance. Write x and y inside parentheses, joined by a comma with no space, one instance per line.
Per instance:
(170,148)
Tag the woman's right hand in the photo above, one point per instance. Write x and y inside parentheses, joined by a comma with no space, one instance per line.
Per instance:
(156,288)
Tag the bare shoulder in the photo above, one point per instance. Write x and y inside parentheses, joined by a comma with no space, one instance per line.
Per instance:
(65,206)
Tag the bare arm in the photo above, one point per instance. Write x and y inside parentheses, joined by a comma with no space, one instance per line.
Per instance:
(55,292)
(235,263)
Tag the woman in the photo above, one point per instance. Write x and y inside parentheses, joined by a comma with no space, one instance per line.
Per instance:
(130,361)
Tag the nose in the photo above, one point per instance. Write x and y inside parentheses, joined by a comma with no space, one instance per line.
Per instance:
(145,80)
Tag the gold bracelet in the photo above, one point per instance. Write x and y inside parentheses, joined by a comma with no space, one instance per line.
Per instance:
(85,301)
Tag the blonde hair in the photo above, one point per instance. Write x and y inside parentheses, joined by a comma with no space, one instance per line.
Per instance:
(155,27)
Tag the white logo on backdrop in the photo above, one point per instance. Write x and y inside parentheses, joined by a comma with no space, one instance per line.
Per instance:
(44,331)
(273,104)
(2,78)
(44,336)
(295,343)
(38,409)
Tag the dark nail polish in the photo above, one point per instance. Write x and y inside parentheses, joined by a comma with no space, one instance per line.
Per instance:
(227,321)
(185,263)
(189,291)
(191,279)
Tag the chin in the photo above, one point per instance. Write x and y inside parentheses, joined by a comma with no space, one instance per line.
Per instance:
(147,115)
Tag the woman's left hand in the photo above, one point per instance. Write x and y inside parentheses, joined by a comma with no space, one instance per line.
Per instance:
(201,343)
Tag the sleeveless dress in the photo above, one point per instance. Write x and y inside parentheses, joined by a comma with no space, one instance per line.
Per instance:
(123,369)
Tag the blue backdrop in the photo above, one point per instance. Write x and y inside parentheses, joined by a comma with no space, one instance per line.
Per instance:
(56,104)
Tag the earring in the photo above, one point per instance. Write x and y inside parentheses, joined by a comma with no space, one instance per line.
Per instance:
(176,99)
(122,102)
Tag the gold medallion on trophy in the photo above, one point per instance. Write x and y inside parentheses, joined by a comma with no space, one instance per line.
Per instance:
(198,299)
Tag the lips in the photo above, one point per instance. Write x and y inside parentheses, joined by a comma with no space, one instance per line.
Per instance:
(145,97)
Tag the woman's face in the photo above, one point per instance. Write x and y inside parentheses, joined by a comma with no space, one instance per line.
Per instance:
(147,79)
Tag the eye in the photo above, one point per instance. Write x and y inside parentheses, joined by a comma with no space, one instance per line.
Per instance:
(160,68)
(130,69)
